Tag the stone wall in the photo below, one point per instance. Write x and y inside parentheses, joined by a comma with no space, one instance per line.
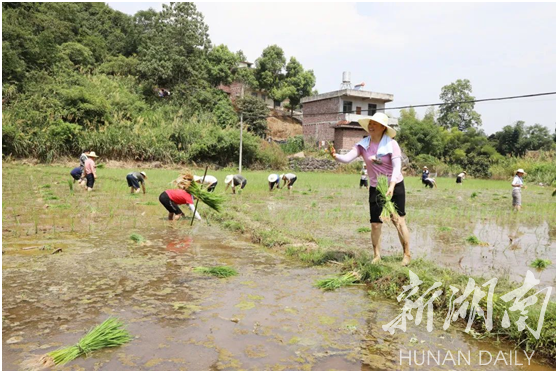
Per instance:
(312,164)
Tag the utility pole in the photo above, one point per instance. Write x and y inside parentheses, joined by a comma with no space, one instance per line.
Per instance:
(240,150)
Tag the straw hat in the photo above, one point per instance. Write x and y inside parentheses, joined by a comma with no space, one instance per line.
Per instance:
(92,154)
(272,178)
(228,179)
(425,167)
(380,118)
(144,174)
(520,170)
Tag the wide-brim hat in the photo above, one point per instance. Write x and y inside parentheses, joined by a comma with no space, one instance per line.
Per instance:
(425,167)
(380,118)
(144,174)
(272,178)
(520,170)
(92,154)
(228,179)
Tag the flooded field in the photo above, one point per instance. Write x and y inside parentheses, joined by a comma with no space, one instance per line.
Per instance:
(68,263)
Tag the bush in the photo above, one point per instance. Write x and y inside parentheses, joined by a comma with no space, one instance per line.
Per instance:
(293,145)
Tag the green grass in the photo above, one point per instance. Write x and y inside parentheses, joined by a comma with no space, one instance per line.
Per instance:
(364,230)
(219,271)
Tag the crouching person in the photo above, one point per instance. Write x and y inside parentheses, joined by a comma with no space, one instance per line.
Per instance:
(171,198)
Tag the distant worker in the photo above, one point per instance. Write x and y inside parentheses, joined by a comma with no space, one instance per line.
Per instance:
(273,181)
(76,173)
(363,177)
(289,180)
(209,181)
(460,177)
(427,181)
(517,184)
(82,159)
(90,171)
(233,181)
(135,179)
(171,198)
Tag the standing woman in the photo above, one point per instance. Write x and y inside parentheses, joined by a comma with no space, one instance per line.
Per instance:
(382,156)
(90,171)
(517,184)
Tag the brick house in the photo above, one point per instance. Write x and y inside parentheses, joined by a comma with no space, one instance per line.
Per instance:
(234,90)
(333,116)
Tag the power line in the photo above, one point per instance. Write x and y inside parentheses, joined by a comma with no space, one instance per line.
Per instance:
(436,104)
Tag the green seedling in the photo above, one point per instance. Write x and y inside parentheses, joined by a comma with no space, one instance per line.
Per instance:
(219,271)
(137,238)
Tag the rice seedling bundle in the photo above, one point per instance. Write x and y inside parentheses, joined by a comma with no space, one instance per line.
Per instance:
(108,334)
(186,182)
(389,206)
(333,283)
(138,238)
(219,271)
(540,264)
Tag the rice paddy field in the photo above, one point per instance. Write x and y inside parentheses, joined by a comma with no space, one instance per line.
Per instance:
(71,259)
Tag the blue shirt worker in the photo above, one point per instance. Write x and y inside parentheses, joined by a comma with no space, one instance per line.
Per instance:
(134,180)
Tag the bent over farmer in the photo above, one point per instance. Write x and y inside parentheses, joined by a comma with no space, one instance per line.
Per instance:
(382,156)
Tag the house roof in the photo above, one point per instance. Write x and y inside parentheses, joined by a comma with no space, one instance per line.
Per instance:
(385,97)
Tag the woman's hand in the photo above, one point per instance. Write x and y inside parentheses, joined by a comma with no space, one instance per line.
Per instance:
(331,151)
(389,192)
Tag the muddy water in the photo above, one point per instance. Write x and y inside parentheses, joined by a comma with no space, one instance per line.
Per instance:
(269,317)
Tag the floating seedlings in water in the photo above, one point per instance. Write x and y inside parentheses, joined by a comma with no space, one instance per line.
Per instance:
(71,185)
(219,271)
(473,240)
(333,283)
(137,238)
(474,194)
(540,264)
(444,229)
(364,230)
(109,334)
(46,186)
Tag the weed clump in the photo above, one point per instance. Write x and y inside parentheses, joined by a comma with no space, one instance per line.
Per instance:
(540,264)
(473,240)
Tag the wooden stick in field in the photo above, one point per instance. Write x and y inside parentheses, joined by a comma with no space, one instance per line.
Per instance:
(197,200)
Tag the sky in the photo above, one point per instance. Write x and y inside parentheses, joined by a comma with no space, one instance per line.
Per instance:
(410,50)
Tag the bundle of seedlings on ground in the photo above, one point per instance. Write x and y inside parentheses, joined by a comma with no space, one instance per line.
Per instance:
(137,238)
(540,264)
(109,334)
(186,182)
(332,283)
(219,271)
(389,205)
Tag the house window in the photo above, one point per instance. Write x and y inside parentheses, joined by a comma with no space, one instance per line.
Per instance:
(276,103)
(254,94)
(358,110)
(264,97)
(347,107)
(372,109)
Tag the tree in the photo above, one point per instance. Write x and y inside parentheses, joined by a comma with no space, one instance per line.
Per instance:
(296,85)
(254,113)
(457,111)
(269,69)
(222,65)
(420,136)
(175,49)
(517,139)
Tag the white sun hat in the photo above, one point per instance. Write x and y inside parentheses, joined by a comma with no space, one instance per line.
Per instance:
(143,173)
(520,170)
(380,118)
(92,154)
(228,179)
(272,178)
